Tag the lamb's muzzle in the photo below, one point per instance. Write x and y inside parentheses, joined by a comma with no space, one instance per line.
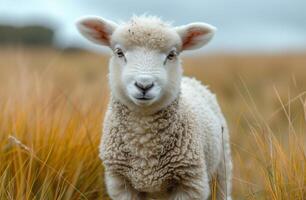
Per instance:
(144,83)
(164,135)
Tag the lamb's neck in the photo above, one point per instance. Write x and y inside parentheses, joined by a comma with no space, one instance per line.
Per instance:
(124,110)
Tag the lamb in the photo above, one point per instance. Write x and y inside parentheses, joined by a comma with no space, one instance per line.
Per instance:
(164,135)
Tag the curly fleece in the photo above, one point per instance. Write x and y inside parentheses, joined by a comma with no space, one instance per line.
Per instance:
(146,31)
(182,143)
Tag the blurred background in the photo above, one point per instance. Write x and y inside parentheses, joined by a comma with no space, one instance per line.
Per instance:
(54,92)
(270,26)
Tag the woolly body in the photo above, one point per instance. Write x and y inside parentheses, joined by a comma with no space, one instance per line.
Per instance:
(176,145)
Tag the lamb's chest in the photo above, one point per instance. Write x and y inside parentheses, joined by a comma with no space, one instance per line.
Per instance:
(151,153)
(149,176)
(154,166)
(148,166)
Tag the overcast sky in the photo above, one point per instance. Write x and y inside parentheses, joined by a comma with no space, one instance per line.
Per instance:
(270,25)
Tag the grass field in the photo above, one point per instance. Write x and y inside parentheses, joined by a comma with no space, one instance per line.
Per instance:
(51,112)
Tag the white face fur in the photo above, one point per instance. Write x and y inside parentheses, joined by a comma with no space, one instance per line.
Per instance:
(145,70)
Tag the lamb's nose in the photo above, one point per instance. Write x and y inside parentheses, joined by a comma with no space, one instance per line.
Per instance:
(144,87)
(144,83)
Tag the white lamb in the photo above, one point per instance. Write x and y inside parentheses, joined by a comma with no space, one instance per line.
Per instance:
(164,135)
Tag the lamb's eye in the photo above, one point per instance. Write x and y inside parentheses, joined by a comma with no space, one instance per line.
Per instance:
(172,55)
(119,52)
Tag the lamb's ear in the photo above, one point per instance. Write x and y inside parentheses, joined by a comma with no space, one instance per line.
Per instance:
(96,29)
(195,35)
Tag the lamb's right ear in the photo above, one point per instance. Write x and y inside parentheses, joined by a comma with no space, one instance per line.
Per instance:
(96,29)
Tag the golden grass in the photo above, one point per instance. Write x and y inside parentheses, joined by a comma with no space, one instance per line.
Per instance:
(51,111)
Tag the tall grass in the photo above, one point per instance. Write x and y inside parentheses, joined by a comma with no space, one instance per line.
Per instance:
(51,113)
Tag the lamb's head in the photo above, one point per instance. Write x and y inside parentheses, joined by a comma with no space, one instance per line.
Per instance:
(145,69)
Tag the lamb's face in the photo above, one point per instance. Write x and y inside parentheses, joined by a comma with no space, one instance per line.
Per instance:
(145,70)
(144,76)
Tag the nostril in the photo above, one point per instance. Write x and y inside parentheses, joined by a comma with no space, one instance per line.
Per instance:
(149,86)
(138,85)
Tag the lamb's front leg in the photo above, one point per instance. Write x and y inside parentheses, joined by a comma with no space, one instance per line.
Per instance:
(196,188)
(119,189)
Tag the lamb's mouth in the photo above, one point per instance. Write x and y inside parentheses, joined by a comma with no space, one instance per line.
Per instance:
(144,98)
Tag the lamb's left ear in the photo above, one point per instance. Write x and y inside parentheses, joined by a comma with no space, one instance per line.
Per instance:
(195,35)
(96,29)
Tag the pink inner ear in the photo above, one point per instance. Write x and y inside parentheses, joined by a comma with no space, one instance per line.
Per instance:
(99,31)
(191,37)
